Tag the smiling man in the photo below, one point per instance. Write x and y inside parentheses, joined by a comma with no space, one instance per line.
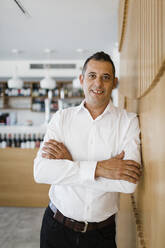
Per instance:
(98,80)
(90,154)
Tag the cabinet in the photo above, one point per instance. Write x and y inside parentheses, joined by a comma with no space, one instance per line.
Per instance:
(32,97)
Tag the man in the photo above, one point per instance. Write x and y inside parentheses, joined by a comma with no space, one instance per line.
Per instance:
(90,154)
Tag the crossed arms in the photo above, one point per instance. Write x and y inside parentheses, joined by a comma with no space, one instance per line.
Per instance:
(54,163)
(113,168)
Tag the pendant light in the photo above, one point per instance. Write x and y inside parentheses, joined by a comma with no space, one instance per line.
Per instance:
(48,82)
(15,82)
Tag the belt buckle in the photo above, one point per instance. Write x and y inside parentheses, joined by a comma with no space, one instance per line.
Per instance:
(85,227)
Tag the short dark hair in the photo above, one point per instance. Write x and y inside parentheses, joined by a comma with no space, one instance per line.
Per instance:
(99,56)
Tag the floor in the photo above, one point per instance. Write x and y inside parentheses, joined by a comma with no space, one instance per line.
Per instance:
(20,227)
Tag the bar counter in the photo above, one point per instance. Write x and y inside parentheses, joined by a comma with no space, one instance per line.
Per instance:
(17,185)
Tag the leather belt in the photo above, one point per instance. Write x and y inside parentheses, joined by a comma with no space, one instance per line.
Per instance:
(82,226)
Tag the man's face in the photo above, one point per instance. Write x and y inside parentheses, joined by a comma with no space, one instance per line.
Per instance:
(98,83)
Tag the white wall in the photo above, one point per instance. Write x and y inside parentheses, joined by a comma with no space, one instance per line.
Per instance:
(23,68)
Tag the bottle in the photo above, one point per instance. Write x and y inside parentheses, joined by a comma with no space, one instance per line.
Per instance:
(12,140)
(32,143)
(0,141)
(14,143)
(16,140)
(37,141)
(19,140)
(41,139)
(9,141)
(23,141)
(28,141)
(4,141)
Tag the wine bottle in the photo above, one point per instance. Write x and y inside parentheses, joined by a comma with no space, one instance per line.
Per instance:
(28,141)
(37,141)
(19,140)
(41,139)
(4,141)
(23,141)
(32,143)
(9,140)
(0,141)
(12,140)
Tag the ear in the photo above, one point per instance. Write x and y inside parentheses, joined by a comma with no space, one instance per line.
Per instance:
(81,78)
(115,82)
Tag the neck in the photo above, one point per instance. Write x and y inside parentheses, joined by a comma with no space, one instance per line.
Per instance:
(95,111)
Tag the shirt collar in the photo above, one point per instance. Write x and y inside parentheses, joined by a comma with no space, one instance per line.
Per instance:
(109,107)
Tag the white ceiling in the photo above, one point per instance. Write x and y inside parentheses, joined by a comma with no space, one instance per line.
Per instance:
(61,25)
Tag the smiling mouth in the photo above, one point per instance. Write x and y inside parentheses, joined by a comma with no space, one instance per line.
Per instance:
(98,92)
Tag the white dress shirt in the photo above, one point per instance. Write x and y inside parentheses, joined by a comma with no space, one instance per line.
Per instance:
(74,189)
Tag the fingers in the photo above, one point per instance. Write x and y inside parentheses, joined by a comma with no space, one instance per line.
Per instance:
(126,175)
(56,150)
(131,174)
(129,179)
(55,143)
(49,150)
(131,169)
(119,169)
(134,169)
(48,156)
(52,146)
(132,162)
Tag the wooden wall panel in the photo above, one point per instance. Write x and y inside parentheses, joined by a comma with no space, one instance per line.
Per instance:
(142,90)
(126,226)
(151,191)
(150,27)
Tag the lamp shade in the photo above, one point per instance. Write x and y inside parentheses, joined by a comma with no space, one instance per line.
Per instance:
(15,82)
(48,83)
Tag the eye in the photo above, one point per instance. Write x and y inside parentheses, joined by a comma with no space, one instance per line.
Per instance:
(91,76)
(106,77)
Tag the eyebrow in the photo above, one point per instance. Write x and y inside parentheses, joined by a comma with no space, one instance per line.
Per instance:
(105,74)
(91,72)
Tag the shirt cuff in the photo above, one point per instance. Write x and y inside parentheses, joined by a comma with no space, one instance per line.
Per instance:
(87,170)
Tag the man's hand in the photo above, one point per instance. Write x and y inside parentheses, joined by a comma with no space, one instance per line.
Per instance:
(53,149)
(119,169)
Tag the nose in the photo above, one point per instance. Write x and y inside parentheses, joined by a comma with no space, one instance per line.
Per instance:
(98,82)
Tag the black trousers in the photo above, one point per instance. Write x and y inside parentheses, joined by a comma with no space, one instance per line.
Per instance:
(56,235)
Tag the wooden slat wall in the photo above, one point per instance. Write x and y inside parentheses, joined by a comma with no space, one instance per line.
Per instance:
(150,39)
(142,90)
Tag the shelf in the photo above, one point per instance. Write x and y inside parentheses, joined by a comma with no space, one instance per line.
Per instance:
(43,111)
(15,108)
(58,98)
(18,96)
(39,96)
(34,87)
